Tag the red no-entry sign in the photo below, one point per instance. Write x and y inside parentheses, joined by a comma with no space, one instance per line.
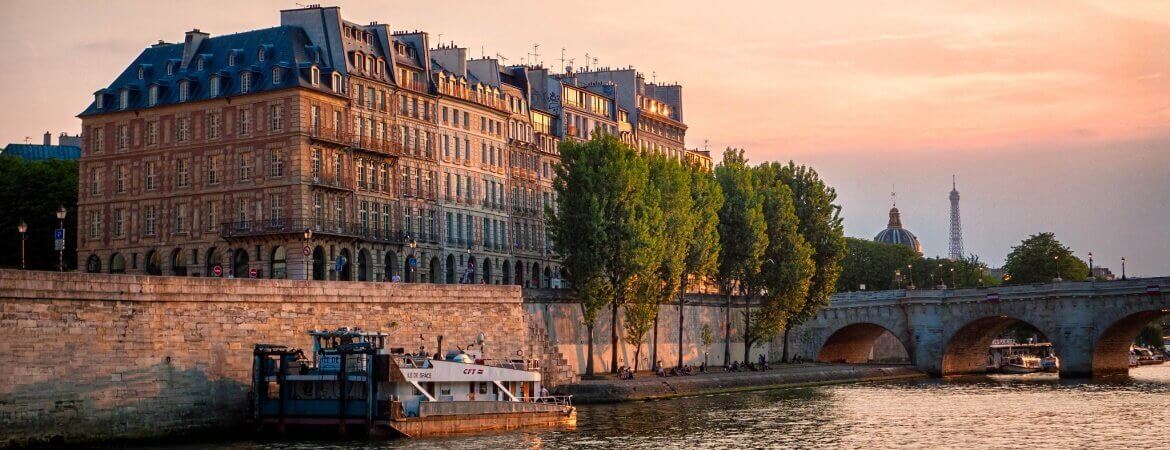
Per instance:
(252,273)
(217,270)
(306,250)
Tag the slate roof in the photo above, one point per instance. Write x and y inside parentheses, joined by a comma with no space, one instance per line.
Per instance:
(35,152)
(287,47)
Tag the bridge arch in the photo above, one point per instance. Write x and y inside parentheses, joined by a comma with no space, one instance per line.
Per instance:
(965,352)
(1110,354)
(854,343)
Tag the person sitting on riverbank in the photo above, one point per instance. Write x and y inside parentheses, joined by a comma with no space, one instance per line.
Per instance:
(624,373)
(703,367)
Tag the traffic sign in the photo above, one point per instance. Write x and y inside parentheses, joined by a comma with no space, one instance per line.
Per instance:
(217,270)
(307,251)
(59,244)
(59,234)
(252,273)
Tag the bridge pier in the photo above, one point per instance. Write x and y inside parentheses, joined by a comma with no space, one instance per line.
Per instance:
(927,341)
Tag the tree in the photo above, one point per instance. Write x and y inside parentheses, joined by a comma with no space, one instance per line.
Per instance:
(786,272)
(706,336)
(703,247)
(671,183)
(876,265)
(640,312)
(578,230)
(32,191)
(1040,258)
(820,224)
(742,235)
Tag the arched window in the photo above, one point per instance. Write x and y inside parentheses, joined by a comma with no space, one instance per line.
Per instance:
(279,268)
(153,263)
(141,72)
(260,54)
(315,76)
(184,90)
(93,264)
(232,59)
(117,263)
(336,83)
(276,76)
(178,262)
(215,86)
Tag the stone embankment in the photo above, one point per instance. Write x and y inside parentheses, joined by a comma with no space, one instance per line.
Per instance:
(646,386)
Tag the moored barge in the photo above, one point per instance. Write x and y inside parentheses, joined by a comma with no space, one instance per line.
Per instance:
(351,383)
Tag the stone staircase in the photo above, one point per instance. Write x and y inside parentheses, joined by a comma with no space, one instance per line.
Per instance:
(554,368)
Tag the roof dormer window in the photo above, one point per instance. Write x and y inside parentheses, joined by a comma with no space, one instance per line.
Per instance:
(245,82)
(276,76)
(141,72)
(260,55)
(184,90)
(199,64)
(336,83)
(214,86)
(170,68)
(99,100)
(381,66)
(315,76)
(152,95)
(124,98)
(369,64)
(232,59)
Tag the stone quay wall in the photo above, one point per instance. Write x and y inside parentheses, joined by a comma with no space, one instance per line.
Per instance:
(95,356)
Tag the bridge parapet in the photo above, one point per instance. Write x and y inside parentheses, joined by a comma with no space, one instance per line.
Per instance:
(1002,293)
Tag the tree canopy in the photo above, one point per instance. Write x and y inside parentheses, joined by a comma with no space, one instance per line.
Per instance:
(32,191)
(1041,258)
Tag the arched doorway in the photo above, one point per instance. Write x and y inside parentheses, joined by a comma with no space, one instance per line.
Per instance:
(240,263)
(967,351)
(391,265)
(519,273)
(278,268)
(1111,352)
(319,262)
(505,272)
(534,275)
(363,267)
(858,344)
(547,276)
(411,268)
(344,272)
(450,269)
(178,262)
(93,264)
(117,263)
(213,259)
(153,262)
(486,268)
(434,269)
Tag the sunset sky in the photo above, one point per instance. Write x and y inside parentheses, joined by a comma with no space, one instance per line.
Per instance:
(1054,115)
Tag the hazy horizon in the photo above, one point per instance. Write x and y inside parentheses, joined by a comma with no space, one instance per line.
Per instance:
(1054,115)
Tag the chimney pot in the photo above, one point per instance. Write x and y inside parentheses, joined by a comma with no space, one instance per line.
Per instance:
(48,138)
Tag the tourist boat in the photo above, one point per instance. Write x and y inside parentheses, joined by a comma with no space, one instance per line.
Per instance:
(1020,364)
(352,383)
(1050,364)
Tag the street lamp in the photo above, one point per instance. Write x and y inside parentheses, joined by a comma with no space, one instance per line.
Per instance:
(1090,266)
(61,225)
(413,245)
(1123,268)
(23,229)
(308,251)
(467,267)
(953,284)
(910,274)
(1056,262)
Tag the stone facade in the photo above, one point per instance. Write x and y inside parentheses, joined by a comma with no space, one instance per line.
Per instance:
(101,356)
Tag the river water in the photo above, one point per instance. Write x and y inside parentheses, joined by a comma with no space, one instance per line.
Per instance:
(1030,411)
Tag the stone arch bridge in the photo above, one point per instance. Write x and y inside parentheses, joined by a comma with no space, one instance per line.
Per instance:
(948,332)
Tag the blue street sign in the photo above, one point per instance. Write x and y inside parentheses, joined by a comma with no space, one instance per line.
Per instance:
(340,264)
(59,233)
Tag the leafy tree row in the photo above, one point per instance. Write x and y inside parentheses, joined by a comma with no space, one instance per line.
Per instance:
(635,231)
(32,191)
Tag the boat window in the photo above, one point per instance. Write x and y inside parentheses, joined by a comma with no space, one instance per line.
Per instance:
(483,388)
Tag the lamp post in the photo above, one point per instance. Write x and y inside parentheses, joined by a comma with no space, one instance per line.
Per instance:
(61,225)
(1123,268)
(467,267)
(910,274)
(413,245)
(1056,262)
(307,252)
(953,284)
(23,229)
(1090,266)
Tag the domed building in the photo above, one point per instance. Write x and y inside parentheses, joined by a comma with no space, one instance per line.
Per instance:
(895,234)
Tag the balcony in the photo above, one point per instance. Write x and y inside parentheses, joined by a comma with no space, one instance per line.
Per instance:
(297,226)
(383,146)
(328,134)
(331,181)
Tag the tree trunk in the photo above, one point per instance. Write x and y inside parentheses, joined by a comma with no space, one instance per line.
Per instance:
(747,327)
(784,355)
(589,357)
(654,349)
(681,299)
(613,339)
(637,354)
(727,332)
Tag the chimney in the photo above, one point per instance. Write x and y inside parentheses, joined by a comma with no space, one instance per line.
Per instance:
(191,45)
(48,138)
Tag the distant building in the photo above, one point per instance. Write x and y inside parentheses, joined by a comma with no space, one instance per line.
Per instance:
(68,147)
(1103,273)
(895,234)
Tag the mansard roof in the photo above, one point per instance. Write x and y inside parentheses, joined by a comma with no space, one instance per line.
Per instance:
(287,47)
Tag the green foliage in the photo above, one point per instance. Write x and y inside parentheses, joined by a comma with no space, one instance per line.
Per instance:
(741,228)
(1150,336)
(671,182)
(703,246)
(877,265)
(820,224)
(1040,258)
(32,191)
(787,269)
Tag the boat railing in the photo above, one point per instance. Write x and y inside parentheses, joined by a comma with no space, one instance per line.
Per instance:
(530,365)
(472,407)
(559,400)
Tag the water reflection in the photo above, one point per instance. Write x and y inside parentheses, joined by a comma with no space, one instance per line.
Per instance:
(1032,411)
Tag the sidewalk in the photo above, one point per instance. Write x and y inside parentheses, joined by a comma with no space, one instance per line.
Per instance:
(646,385)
